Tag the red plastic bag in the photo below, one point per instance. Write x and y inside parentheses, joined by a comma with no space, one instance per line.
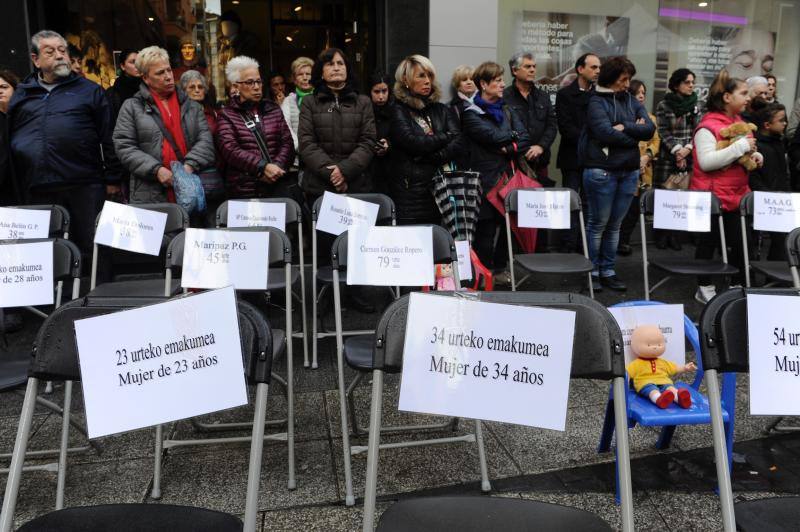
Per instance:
(497,196)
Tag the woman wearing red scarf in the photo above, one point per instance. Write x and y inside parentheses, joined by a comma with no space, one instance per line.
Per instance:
(159,125)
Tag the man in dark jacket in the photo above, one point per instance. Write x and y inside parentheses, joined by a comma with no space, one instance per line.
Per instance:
(532,104)
(571,102)
(60,127)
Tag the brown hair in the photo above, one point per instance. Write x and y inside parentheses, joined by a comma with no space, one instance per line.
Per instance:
(723,84)
(486,72)
(612,69)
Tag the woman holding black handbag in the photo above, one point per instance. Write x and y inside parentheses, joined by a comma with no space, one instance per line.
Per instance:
(254,139)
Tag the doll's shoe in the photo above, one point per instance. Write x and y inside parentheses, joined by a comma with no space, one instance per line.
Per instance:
(684,398)
(665,399)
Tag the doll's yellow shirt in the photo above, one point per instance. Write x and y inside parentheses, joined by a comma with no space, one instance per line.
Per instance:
(651,371)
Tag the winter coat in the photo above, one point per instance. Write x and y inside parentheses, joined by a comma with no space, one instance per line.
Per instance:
(774,175)
(571,104)
(416,157)
(730,183)
(63,137)
(138,141)
(649,147)
(794,160)
(9,193)
(123,88)
(237,145)
(379,167)
(538,116)
(676,133)
(606,147)
(291,113)
(487,138)
(336,130)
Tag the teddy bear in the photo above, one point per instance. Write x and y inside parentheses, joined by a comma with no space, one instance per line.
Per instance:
(652,376)
(731,134)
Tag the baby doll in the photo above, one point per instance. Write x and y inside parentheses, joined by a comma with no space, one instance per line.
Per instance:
(444,277)
(652,375)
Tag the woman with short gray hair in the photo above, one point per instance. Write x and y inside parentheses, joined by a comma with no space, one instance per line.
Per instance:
(158,126)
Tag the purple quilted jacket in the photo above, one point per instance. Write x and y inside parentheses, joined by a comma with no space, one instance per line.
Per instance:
(239,149)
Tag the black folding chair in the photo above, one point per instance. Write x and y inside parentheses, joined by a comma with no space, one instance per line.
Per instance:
(14,366)
(597,353)
(549,263)
(294,217)
(773,270)
(679,265)
(723,332)
(356,351)
(140,264)
(56,358)
(324,275)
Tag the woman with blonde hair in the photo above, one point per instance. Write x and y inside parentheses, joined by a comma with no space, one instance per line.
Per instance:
(464,89)
(301,77)
(424,136)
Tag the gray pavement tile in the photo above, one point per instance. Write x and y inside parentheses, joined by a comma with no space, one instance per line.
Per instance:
(688,511)
(645,515)
(319,518)
(218,479)
(122,481)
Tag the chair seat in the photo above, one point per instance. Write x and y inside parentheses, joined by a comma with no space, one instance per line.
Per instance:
(684,266)
(136,287)
(645,412)
(358,351)
(773,269)
(554,262)
(13,370)
(776,514)
(468,514)
(134,518)
(276,279)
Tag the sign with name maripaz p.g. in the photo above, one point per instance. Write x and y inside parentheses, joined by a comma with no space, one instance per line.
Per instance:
(773,341)
(26,274)
(338,213)
(213,258)
(543,209)
(257,214)
(776,211)
(668,318)
(682,210)
(131,229)
(157,364)
(19,224)
(390,256)
(487,361)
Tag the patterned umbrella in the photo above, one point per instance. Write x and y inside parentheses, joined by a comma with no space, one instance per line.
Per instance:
(458,196)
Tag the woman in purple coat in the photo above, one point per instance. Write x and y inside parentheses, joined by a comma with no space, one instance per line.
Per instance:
(245,123)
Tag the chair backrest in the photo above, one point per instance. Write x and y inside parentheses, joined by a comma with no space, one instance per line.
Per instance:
(597,351)
(512,199)
(747,205)
(386,211)
(294,213)
(280,248)
(793,248)
(59,218)
(66,256)
(55,353)
(444,248)
(648,198)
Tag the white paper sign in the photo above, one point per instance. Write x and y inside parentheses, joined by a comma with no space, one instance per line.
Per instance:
(257,214)
(773,334)
(682,210)
(487,361)
(131,229)
(390,256)
(464,260)
(161,363)
(19,224)
(338,213)
(543,209)
(668,318)
(26,274)
(776,211)
(213,258)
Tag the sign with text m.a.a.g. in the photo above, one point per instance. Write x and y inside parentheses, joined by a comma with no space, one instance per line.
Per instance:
(130,228)
(23,224)
(161,363)
(487,361)
(682,210)
(337,213)
(773,343)
(776,211)
(26,274)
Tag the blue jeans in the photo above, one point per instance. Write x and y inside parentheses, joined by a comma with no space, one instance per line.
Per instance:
(608,197)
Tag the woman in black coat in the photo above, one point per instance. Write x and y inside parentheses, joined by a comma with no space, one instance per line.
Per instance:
(424,136)
(380,93)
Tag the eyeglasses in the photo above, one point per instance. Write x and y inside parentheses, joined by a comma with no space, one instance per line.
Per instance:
(252,82)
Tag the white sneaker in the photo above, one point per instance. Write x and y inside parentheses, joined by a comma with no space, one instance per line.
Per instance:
(705,293)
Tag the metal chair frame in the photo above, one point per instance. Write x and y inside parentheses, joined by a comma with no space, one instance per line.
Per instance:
(746,212)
